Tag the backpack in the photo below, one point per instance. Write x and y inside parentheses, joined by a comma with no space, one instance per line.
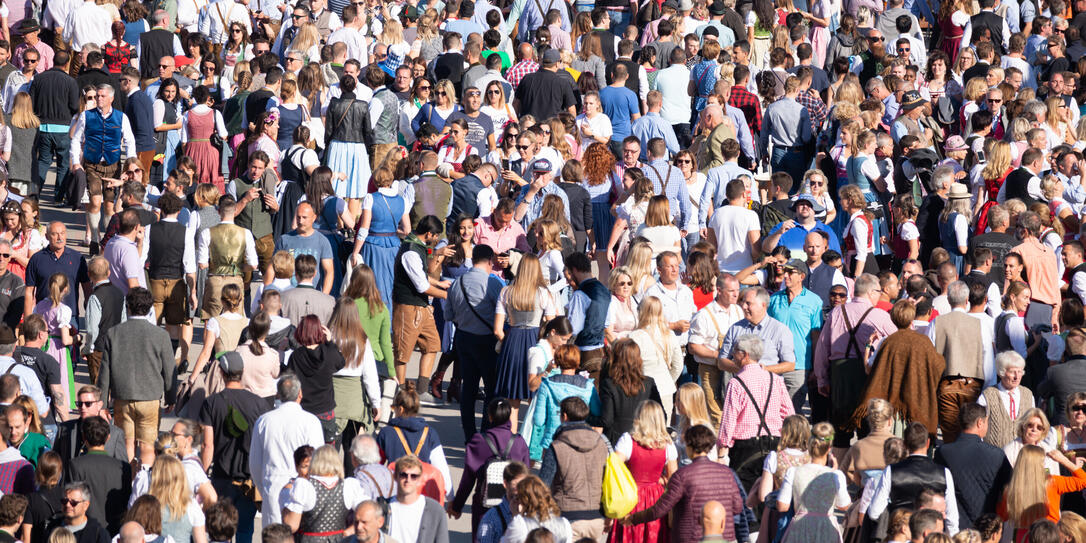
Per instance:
(433,485)
(493,480)
(769,216)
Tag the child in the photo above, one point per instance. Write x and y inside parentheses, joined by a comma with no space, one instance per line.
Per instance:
(906,234)
(795,432)
(58,319)
(222,522)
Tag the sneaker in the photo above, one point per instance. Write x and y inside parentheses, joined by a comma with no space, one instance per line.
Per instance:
(428,400)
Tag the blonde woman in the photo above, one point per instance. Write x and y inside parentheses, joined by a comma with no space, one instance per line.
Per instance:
(690,406)
(661,353)
(1058,120)
(182,518)
(1032,428)
(314,502)
(954,225)
(650,454)
(641,265)
(1034,491)
(308,42)
(427,43)
(593,125)
(1052,189)
(392,37)
(791,452)
(222,333)
(495,105)
(435,112)
(525,304)
(865,458)
(548,239)
(967,58)
(817,489)
(815,184)
(24,126)
(994,173)
(658,228)
(622,311)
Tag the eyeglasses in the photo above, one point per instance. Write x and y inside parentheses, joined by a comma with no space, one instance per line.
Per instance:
(424,87)
(995,100)
(297,15)
(164,66)
(837,295)
(409,476)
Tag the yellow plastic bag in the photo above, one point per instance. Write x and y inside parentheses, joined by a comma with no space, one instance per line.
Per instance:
(619,488)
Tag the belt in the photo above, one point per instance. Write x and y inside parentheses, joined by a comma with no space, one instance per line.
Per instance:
(54,128)
(322,534)
(382,234)
(790,148)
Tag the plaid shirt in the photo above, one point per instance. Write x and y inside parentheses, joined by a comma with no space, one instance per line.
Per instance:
(815,106)
(519,70)
(750,106)
(739,418)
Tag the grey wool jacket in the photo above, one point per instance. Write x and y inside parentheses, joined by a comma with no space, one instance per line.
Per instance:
(137,363)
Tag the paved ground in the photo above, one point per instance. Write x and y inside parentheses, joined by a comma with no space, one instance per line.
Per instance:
(445,420)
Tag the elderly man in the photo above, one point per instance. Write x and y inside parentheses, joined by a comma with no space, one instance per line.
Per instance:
(376,479)
(840,353)
(777,354)
(707,330)
(369,521)
(276,435)
(755,405)
(57,257)
(801,311)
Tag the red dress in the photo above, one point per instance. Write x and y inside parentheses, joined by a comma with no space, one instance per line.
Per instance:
(646,466)
(199,148)
(992,187)
(952,38)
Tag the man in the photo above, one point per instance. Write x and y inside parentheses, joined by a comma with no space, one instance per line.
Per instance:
(958,337)
(717,177)
(126,268)
(713,520)
(653,126)
(304,299)
(530,201)
(912,110)
(745,100)
(138,370)
(77,497)
(543,93)
(793,233)
(997,240)
(691,487)
(525,65)
(809,98)
(306,240)
(1064,379)
(158,42)
(20,81)
(637,80)
(226,441)
(94,73)
(481,128)
(139,110)
(787,126)
(369,523)
(621,105)
(927,221)
(97,141)
(276,435)
(12,511)
(351,33)
(256,203)
(587,312)
(671,83)
(497,519)
(981,471)
(987,23)
(735,229)
(105,307)
(839,354)
(30,444)
(667,180)
(466,198)
(384,113)
(109,479)
(29,383)
(1024,183)
(56,99)
(981,274)
(16,474)
(86,25)
(501,233)
(12,289)
(30,31)
(171,267)
(1041,274)
(902,482)
(888,21)
(412,318)
(70,444)
(407,520)
(34,335)
(471,303)
(801,311)
(754,408)
(677,299)
(225,250)
(573,466)
(707,329)
(711,156)
(821,277)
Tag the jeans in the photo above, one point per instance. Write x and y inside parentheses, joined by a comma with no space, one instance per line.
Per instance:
(619,21)
(51,146)
(682,133)
(791,161)
(245,506)
(691,239)
(477,361)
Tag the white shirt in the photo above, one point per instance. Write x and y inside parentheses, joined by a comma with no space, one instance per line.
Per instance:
(215,20)
(406,519)
(882,499)
(188,259)
(624,447)
(28,381)
(1005,399)
(202,248)
(198,110)
(987,334)
(678,304)
(784,495)
(128,140)
(303,495)
(731,224)
(710,324)
(276,435)
(1033,187)
(600,126)
(355,40)
(56,12)
(88,23)
(188,14)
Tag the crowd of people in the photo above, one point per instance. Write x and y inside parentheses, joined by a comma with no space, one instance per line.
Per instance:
(795,270)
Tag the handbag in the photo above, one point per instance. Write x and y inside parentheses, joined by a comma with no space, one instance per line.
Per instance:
(619,488)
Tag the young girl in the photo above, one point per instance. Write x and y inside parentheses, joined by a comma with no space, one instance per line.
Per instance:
(526,303)
(58,318)
(222,333)
(658,229)
(907,238)
(791,452)
(816,488)
(548,239)
(858,243)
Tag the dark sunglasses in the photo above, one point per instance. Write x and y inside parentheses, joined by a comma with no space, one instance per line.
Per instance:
(164,66)
(85,404)
(494,91)
(409,476)
(5,255)
(523,147)
(440,93)
(73,503)
(31,61)
(297,15)
(424,87)
(837,295)
(874,39)
(1080,408)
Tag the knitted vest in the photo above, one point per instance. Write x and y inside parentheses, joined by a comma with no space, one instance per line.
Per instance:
(1000,425)
(385,131)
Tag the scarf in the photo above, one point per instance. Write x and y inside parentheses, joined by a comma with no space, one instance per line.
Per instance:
(906,373)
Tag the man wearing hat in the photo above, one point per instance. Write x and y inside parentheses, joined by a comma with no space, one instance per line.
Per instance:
(725,35)
(793,232)
(909,121)
(227,420)
(801,311)
(543,94)
(31,33)
(29,383)
(530,201)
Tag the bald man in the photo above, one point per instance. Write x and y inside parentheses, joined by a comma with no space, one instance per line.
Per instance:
(720,129)
(713,517)
(306,240)
(57,257)
(132,532)
(525,65)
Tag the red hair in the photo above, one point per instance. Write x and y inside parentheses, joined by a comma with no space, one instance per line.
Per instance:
(309,331)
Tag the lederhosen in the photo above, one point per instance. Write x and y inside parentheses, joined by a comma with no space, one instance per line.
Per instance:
(848,377)
(747,455)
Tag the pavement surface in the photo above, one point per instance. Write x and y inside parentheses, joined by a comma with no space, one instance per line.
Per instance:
(445,420)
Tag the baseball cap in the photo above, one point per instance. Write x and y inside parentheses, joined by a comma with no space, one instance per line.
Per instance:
(541,165)
(797,265)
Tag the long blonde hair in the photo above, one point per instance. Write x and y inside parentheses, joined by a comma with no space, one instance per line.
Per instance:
(1026,493)
(551,238)
(650,426)
(650,318)
(659,212)
(307,37)
(521,294)
(691,403)
(639,263)
(391,33)
(999,160)
(170,486)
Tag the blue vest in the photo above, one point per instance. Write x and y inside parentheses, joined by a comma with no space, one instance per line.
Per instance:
(595,316)
(464,191)
(103,137)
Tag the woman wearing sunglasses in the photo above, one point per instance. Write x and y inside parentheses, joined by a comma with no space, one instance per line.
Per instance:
(494,104)
(435,112)
(421,92)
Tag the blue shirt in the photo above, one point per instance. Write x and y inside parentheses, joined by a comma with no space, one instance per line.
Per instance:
(44,264)
(620,104)
(668,180)
(535,207)
(776,337)
(315,244)
(652,125)
(494,523)
(794,238)
(801,316)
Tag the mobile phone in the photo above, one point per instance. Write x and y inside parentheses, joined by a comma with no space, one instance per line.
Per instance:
(505,163)
(981,157)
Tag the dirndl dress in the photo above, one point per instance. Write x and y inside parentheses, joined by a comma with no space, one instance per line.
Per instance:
(55,318)
(383,244)
(522,334)
(351,159)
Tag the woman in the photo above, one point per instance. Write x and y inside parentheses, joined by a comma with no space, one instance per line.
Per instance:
(237,48)
(182,518)
(859,234)
(146,511)
(356,386)
(211,77)
(345,147)
(769,272)
(622,311)
(31,218)
(550,244)
(629,214)
(117,51)
(315,361)
(691,408)
(308,41)
(953,16)
(863,172)
(408,434)
(135,21)
(22,238)
(261,361)
(46,500)
(937,80)
(479,451)
(391,37)
(528,303)
(421,94)
(865,458)
(1034,490)
(427,44)
(167,117)
(954,225)
(760,22)
(701,272)
(1052,189)
(293,112)
(659,229)
(495,106)
(590,59)
(650,455)
(818,19)
(843,43)
(623,389)
(966,59)
(1032,428)
(1010,327)
(642,267)
(456,148)
(187,437)
(384,220)
(1006,400)
(23,125)
(695,179)
(322,501)
(222,333)
(262,138)
(374,316)
(995,172)
(535,508)
(816,489)
(554,388)
(454,258)
(506,151)
(314,92)
(661,353)
(435,112)
(198,126)
(1059,120)
(593,125)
